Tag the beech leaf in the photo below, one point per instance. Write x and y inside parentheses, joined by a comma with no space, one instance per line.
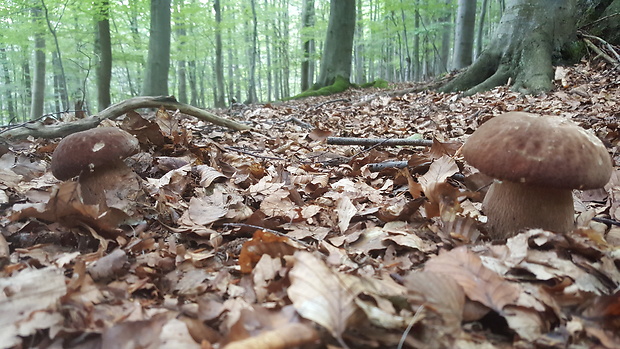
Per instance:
(319,294)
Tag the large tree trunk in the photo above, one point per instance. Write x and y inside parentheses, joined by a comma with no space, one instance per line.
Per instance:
(528,34)
(336,60)
(103,46)
(158,62)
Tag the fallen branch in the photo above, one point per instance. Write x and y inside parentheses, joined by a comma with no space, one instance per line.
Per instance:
(382,141)
(114,111)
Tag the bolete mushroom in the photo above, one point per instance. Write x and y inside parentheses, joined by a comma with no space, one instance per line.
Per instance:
(536,162)
(96,156)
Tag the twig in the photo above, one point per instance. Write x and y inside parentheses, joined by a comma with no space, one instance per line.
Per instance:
(608,45)
(607,221)
(600,20)
(328,102)
(296,121)
(382,141)
(116,110)
(600,52)
(251,153)
(380,166)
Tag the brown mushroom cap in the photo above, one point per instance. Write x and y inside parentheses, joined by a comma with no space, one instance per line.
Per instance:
(539,150)
(87,150)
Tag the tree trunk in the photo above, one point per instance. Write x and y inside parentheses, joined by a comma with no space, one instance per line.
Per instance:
(483,14)
(38,80)
(59,70)
(193,87)
(446,30)
(252,57)
(158,62)
(267,23)
(307,21)
(464,34)
(7,85)
(103,47)
(219,63)
(336,60)
(359,51)
(529,32)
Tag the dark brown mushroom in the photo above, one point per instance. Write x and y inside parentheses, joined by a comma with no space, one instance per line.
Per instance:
(90,150)
(536,161)
(96,156)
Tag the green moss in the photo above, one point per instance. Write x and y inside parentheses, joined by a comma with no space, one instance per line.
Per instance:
(340,85)
(572,52)
(379,83)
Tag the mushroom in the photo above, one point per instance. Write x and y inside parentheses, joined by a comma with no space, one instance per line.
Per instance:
(96,156)
(536,162)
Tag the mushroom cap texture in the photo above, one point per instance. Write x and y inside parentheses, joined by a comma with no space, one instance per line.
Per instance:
(539,150)
(87,150)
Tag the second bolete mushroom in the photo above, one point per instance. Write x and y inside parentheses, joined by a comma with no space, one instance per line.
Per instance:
(96,156)
(536,161)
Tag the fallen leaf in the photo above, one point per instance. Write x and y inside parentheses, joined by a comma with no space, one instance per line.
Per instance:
(320,295)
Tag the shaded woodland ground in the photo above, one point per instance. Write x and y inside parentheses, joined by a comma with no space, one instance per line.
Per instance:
(344,257)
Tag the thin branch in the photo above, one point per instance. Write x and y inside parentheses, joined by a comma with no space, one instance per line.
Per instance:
(381,141)
(116,110)
(252,153)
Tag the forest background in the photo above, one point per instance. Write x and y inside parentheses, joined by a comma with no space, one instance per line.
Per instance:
(220,52)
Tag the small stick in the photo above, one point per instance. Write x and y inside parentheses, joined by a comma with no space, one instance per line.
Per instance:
(376,141)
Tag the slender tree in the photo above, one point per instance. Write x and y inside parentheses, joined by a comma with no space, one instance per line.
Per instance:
(8,84)
(337,51)
(158,62)
(483,14)
(38,80)
(219,62)
(307,22)
(464,34)
(252,98)
(60,77)
(103,48)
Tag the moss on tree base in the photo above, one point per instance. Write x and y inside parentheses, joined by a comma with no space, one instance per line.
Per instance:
(340,85)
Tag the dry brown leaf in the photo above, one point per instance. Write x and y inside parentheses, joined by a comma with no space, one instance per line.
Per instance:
(264,242)
(136,334)
(25,299)
(288,336)
(67,207)
(346,210)
(109,266)
(320,294)
(440,291)
(208,174)
(479,283)
(440,170)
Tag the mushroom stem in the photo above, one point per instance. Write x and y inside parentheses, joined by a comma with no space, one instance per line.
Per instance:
(512,206)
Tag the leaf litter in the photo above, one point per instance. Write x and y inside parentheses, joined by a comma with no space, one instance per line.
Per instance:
(276,239)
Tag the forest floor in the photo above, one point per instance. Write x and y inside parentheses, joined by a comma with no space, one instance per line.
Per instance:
(275,239)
